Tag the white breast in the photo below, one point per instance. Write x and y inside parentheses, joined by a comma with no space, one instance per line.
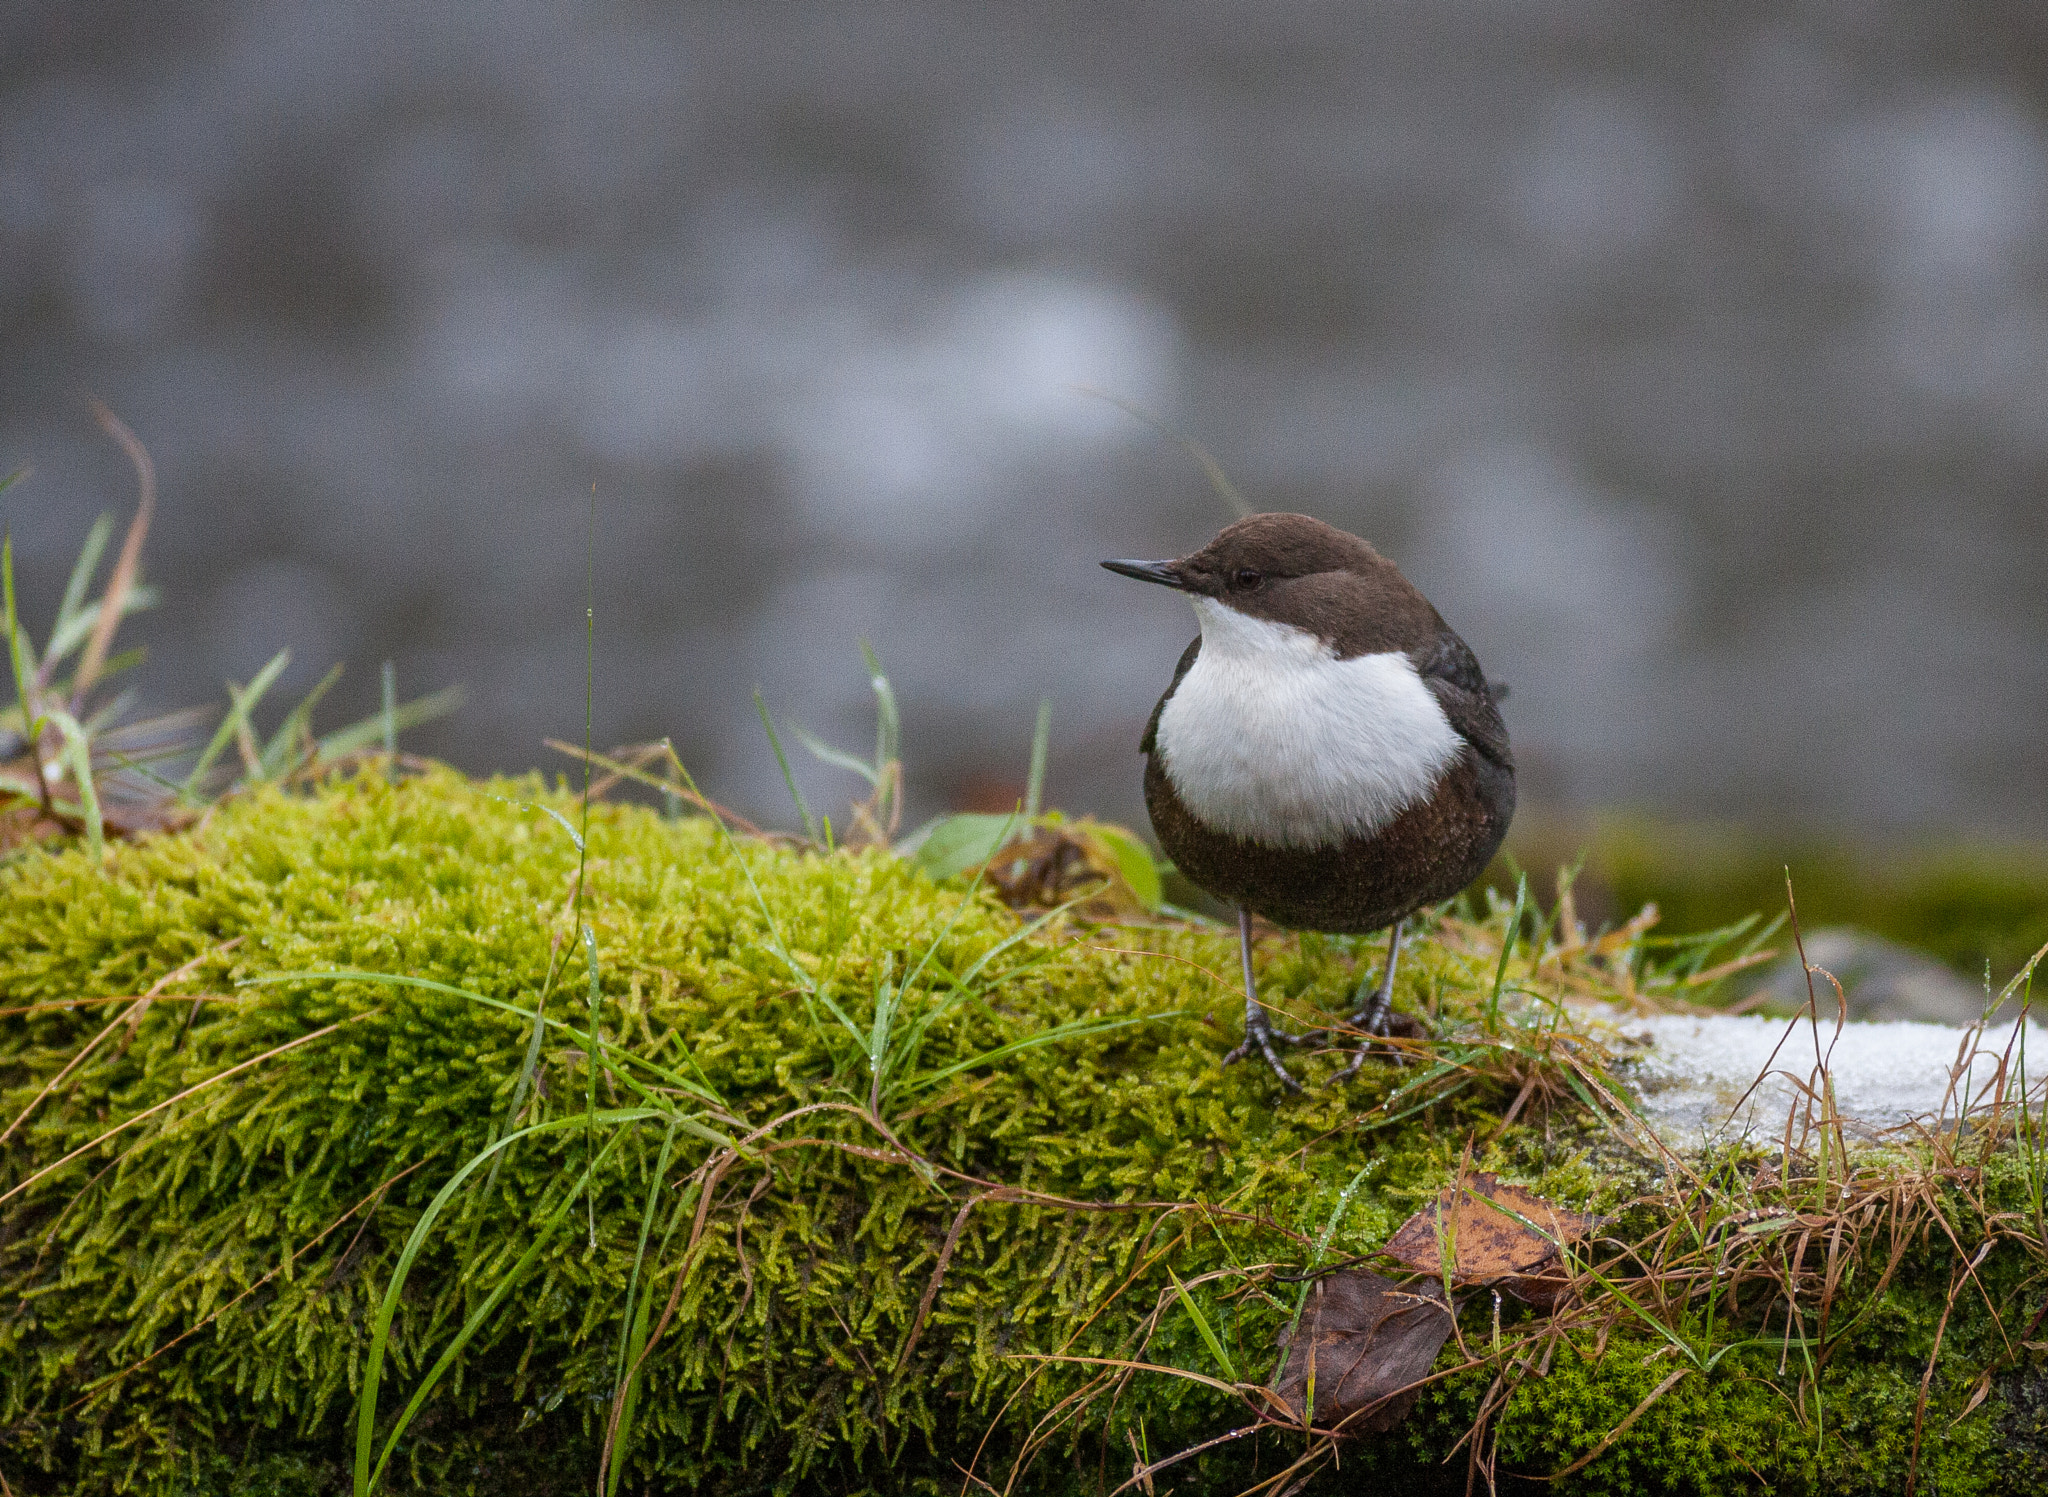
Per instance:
(1272,738)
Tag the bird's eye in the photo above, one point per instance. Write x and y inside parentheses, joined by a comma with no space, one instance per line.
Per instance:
(1247,578)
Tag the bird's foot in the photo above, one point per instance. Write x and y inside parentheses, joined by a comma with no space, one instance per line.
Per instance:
(1375,1018)
(1375,1023)
(1261,1036)
(1259,1033)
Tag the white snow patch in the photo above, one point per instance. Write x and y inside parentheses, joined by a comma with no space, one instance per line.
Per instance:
(1695,1070)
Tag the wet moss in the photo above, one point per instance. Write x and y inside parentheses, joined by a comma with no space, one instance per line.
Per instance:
(192,1296)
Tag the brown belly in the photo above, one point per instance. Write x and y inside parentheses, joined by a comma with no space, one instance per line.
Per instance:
(1426,854)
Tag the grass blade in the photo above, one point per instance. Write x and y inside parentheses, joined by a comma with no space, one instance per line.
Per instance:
(114,601)
(888,998)
(701,1090)
(287,746)
(1034,781)
(118,708)
(1202,1324)
(805,983)
(913,1041)
(376,727)
(633,1326)
(1015,938)
(79,627)
(527,1067)
(1218,479)
(21,654)
(830,755)
(235,723)
(1073,1029)
(590,1058)
(78,755)
(1507,945)
(888,721)
(803,809)
(775,942)
(82,572)
(380,1331)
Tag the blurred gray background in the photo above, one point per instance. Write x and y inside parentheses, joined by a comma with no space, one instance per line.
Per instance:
(1694,360)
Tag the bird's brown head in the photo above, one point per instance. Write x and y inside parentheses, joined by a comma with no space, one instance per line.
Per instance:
(1296,569)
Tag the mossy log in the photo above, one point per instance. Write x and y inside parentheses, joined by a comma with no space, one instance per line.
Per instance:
(952,1259)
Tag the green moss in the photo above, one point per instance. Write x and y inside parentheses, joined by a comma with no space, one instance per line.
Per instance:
(192,1297)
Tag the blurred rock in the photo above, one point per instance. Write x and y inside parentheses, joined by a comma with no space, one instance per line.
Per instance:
(1882,980)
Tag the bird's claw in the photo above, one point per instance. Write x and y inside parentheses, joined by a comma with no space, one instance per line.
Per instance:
(1260,1036)
(1374,1026)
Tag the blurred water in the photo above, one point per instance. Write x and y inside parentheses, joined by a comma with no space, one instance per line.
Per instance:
(1693,359)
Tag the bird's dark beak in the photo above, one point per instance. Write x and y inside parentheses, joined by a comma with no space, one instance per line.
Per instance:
(1165,573)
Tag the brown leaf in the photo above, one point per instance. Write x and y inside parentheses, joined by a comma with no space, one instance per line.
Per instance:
(1050,865)
(1543,1291)
(1476,1220)
(1365,1340)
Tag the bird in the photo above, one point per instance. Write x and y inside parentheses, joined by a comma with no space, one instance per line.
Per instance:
(1329,754)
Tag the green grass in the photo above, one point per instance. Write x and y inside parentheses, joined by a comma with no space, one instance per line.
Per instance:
(73,764)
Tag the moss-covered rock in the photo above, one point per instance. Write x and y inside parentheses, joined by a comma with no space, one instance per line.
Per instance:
(208,1195)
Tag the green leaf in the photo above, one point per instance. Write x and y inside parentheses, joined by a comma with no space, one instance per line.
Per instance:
(20,653)
(1507,944)
(1073,1029)
(700,1088)
(1133,864)
(380,1331)
(803,809)
(949,846)
(633,1325)
(888,721)
(1041,741)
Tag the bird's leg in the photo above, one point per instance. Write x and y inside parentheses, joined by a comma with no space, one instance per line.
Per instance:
(1259,1034)
(1373,1014)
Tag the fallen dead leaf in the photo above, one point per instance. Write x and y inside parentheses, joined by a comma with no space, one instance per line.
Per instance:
(1477,1221)
(1364,1341)
(1051,865)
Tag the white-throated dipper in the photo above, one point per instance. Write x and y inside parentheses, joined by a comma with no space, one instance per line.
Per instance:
(1329,754)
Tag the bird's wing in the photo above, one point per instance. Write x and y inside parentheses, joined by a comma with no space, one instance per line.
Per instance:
(1187,659)
(1451,672)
